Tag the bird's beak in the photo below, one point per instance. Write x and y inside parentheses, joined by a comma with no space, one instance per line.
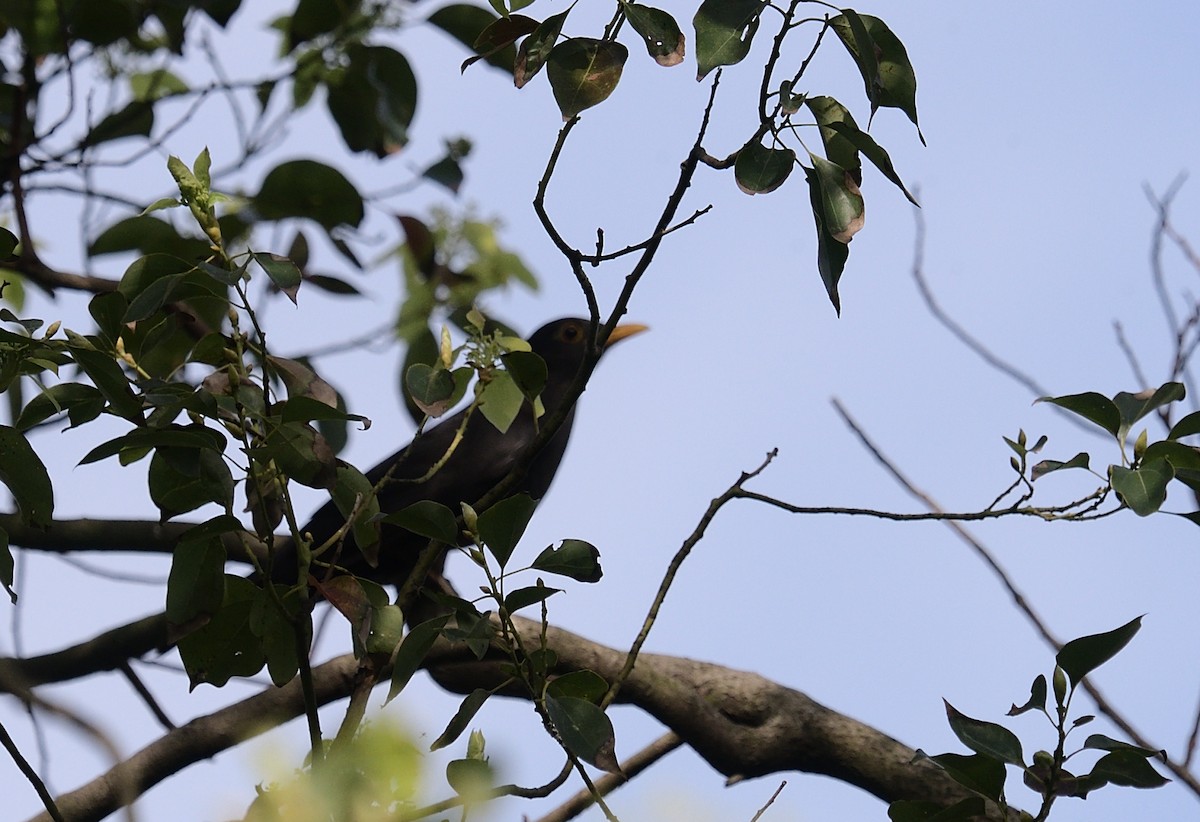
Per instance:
(622,331)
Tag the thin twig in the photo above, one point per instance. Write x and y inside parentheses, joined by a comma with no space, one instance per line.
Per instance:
(606,784)
(770,802)
(140,688)
(30,774)
(953,326)
(1135,365)
(502,791)
(693,539)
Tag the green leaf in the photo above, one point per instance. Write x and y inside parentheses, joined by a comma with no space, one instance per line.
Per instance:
(313,18)
(7,567)
(1186,427)
(309,409)
(831,254)
(431,388)
(883,62)
(1135,406)
(83,403)
(374,99)
(528,372)
(471,779)
(524,597)
(574,558)
(465,23)
(1037,698)
(1045,467)
(501,526)
(302,453)
(413,650)
(1143,489)
(225,647)
(501,401)
(218,526)
(874,152)
(134,120)
(1180,455)
(585,730)
(759,170)
(161,204)
(1080,657)
(8,243)
(583,72)
(1093,407)
(857,39)
(386,628)
(282,271)
(175,436)
(985,738)
(978,772)
(534,49)
(724,31)
(1100,742)
(499,36)
(302,382)
(277,632)
(1129,768)
(353,487)
(312,190)
(838,147)
(448,170)
(25,475)
(152,298)
(428,519)
(458,723)
(154,85)
(110,379)
(841,204)
(664,41)
(587,685)
(183,479)
(196,585)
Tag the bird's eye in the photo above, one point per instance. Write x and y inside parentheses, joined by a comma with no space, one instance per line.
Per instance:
(571,333)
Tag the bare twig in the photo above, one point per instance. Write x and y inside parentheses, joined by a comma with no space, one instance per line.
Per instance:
(606,784)
(953,326)
(673,567)
(30,774)
(140,688)
(770,802)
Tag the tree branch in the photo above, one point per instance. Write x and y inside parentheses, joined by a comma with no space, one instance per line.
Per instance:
(107,535)
(741,723)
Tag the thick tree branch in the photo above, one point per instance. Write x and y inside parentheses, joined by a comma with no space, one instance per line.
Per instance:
(741,723)
(105,652)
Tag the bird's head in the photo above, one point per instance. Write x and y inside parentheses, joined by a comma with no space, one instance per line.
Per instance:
(563,343)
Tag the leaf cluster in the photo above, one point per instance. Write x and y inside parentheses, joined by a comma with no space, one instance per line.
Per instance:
(984,771)
(1141,480)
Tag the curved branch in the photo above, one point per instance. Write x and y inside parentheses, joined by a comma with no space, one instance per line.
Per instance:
(106,652)
(742,724)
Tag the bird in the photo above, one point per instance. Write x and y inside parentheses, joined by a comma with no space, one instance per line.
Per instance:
(481,459)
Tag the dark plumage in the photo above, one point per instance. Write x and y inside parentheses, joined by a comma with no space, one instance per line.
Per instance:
(481,460)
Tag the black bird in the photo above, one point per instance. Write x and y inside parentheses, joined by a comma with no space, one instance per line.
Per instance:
(483,458)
